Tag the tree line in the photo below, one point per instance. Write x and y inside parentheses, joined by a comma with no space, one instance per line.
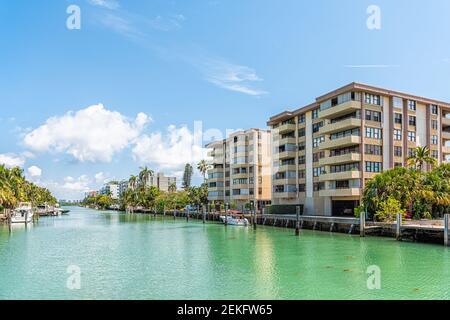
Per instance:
(140,195)
(14,188)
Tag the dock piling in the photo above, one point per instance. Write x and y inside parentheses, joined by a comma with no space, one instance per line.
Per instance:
(297,221)
(398,233)
(204,213)
(362,224)
(446,218)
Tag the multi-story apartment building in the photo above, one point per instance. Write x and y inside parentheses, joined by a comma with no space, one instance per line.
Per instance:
(159,181)
(240,169)
(164,183)
(325,152)
(112,189)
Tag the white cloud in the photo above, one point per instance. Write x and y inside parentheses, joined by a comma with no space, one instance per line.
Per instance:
(101,178)
(171,151)
(231,76)
(108,4)
(12,160)
(70,188)
(91,134)
(34,171)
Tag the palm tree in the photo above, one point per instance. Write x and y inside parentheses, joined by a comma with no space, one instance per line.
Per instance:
(421,156)
(144,175)
(203,167)
(172,187)
(132,182)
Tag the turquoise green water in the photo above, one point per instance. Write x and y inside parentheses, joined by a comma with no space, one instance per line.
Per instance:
(139,257)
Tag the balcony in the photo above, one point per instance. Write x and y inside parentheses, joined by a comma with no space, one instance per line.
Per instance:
(287,140)
(286,167)
(284,195)
(446,135)
(446,150)
(341,142)
(283,181)
(446,121)
(285,155)
(285,128)
(351,192)
(330,128)
(345,158)
(340,109)
(344,175)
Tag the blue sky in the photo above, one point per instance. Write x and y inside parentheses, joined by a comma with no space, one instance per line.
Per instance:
(229,64)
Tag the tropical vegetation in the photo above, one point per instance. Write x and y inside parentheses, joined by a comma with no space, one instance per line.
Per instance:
(141,195)
(417,193)
(14,188)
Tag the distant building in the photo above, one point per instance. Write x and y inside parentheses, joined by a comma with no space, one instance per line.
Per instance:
(91,194)
(163,182)
(112,189)
(123,186)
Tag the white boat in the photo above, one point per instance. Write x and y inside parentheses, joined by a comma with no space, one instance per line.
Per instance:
(234,221)
(23,213)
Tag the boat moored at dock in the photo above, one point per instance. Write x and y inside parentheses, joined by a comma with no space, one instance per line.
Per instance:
(23,213)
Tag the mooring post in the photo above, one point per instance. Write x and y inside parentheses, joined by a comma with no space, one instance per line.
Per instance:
(255,222)
(9,220)
(446,216)
(204,213)
(187,215)
(226,214)
(362,224)
(297,222)
(398,233)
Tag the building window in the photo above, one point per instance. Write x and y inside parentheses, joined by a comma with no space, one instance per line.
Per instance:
(315,113)
(434,109)
(397,151)
(434,124)
(398,102)
(301,132)
(397,134)
(318,155)
(398,164)
(301,118)
(398,118)
(373,115)
(301,146)
(373,133)
(372,99)
(373,166)
(317,186)
(412,105)
(373,149)
(435,154)
(344,167)
(411,152)
(317,141)
(346,133)
(411,136)
(434,139)
(301,160)
(302,174)
(317,126)
(412,120)
(318,171)
(302,187)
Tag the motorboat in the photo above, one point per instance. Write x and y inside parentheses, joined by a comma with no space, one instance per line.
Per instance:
(229,220)
(23,213)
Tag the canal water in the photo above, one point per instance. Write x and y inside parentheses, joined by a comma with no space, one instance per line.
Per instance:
(123,256)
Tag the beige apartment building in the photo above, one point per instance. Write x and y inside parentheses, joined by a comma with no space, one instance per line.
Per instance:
(240,169)
(326,151)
